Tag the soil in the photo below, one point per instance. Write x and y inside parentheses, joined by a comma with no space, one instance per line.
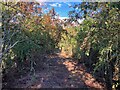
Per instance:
(57,71)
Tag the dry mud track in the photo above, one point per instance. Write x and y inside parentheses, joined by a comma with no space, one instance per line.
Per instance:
(58,72)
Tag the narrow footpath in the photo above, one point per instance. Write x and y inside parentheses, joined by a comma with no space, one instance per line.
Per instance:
(58,72)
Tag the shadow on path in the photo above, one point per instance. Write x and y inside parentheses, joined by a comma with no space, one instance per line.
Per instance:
(58,72)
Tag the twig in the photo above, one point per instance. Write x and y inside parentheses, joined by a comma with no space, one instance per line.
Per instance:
(11,46)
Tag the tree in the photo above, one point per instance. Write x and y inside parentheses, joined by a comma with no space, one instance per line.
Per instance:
(24,34)
(101,27)
(52,13)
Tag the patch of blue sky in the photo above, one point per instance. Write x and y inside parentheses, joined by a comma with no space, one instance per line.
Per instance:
(61,8)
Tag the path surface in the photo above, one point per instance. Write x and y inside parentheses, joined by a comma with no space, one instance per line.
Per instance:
(58,72)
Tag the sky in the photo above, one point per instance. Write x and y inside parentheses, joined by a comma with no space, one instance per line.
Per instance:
(61,8)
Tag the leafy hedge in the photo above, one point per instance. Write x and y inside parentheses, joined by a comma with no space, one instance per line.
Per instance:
(97,45)
(26,36)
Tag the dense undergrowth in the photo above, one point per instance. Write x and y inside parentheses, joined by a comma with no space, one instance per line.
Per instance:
(94,42)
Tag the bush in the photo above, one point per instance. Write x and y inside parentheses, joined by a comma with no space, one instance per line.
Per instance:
(30,34)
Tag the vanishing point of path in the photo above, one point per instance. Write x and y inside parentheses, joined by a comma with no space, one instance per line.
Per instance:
(58,72)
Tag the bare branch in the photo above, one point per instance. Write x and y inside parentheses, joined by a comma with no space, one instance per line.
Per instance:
(11,46)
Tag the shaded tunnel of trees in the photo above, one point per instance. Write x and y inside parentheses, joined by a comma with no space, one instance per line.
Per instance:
(94,43)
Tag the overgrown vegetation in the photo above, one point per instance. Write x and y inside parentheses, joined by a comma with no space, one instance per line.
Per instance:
(24,35)
(95,42)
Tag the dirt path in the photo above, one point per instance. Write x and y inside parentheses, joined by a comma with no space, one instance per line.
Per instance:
(58,72)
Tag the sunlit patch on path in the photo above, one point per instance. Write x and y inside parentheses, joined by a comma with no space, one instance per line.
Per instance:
(80,72)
